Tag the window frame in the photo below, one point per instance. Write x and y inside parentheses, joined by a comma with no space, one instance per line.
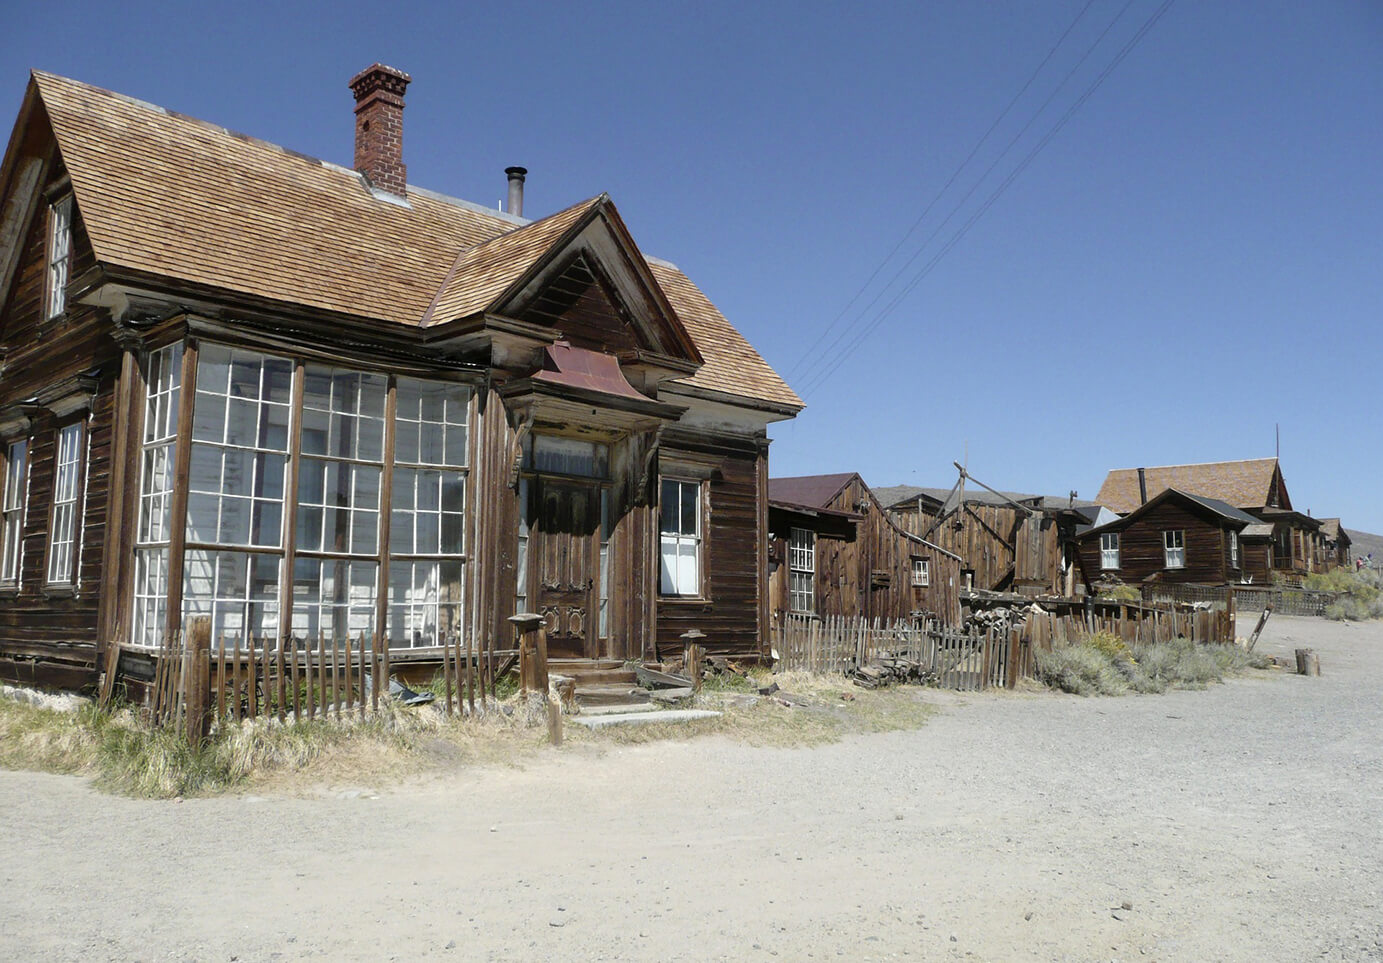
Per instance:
(1107,551)
(801,565)
(76,504)
(921,571)
(58,268)
(1170,559)
(1234,550)
(698,539)
(12,559)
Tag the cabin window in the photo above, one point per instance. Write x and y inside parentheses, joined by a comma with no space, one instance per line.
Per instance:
(802,570)
(59,255)
(1109,550)
(239,460)
(679,527)
(921,572)
(1174,548)
(427,524)
(163,377)
(1233,549)
(12,514)
(67,490)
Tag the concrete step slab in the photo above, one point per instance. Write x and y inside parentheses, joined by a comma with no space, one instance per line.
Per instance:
(642,718)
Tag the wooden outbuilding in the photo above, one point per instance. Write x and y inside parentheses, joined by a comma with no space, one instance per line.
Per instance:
(1336,543)
(1254,485)
(1009,541)
(835,551)
(1175,537)
(304,400)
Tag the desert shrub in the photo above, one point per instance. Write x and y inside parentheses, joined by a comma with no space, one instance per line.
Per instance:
(1104,665)
(1112,588)
(1080,669)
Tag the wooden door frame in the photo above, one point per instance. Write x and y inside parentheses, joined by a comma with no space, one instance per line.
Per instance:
(591,640)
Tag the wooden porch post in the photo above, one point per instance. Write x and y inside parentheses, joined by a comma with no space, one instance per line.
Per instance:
(177,521)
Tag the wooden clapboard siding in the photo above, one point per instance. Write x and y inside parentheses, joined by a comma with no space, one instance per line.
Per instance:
(1141,547)
(50,636)
(729,612)
(578,303)
(864,562)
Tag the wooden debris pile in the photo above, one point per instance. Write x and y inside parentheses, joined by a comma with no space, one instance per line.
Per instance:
(887,670)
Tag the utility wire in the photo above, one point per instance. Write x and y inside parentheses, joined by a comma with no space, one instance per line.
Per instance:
(812,375)
(939,194)
(994,196)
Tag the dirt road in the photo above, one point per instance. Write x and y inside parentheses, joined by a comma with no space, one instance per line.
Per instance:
(1240,823)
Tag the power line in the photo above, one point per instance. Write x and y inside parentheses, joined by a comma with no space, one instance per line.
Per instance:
(994,196)
(945,187)
(813,374)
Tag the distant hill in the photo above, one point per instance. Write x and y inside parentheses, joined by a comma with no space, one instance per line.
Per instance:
(1361,543)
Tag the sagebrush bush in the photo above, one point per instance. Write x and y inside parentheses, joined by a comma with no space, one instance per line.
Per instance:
(1080,669)
(1104,665)
(1363,593)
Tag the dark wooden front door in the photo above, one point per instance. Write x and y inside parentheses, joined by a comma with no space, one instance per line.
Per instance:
(566,554)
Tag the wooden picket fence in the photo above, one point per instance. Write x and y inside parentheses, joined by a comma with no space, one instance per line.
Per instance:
(968,661)
(197,684)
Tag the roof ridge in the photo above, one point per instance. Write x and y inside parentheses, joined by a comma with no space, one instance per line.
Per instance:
(1197,464)
(472,206)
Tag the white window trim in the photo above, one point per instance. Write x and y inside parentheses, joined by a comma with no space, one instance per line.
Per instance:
(15,511)
(59,256)
(1233,549)
(696,539)
(65,528)
(1109,553)
(1174,548)
(921,572)
(802,565)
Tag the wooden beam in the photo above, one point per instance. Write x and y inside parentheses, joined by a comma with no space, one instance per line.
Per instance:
(965,474)
(177,520)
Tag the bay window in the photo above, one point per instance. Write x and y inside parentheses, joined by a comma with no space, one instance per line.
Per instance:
(427,512)
(163,378)
(260,458)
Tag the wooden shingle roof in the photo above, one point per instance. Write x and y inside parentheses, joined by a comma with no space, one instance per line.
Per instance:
(167,195)
(1243,484)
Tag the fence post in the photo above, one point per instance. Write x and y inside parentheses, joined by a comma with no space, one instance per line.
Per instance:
(532,652)
(693,653)
(199,681)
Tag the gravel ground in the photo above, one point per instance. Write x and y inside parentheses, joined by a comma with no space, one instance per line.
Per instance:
(1244,822)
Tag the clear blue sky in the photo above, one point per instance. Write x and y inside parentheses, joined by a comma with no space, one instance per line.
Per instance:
(1196,256)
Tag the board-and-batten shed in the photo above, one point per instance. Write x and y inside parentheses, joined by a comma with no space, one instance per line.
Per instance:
(834,551)
(303,399)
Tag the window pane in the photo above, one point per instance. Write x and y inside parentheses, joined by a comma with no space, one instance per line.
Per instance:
(667,507)
(689,500)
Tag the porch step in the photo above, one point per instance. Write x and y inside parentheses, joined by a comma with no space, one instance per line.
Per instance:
(642,718)
(610,694)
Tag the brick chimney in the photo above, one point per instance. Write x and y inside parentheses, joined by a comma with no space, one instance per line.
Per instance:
(379,126)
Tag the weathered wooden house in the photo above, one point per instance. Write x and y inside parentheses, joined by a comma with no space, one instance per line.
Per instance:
(1254,486)
(301,398)
(1174,537)
(1009,541)
(1337,543)
(835,551)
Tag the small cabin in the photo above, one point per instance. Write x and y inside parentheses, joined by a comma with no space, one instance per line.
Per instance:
(834,551)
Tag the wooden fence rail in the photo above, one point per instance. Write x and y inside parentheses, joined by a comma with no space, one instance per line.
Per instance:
(1284,599)
(981,658)
(196,683)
